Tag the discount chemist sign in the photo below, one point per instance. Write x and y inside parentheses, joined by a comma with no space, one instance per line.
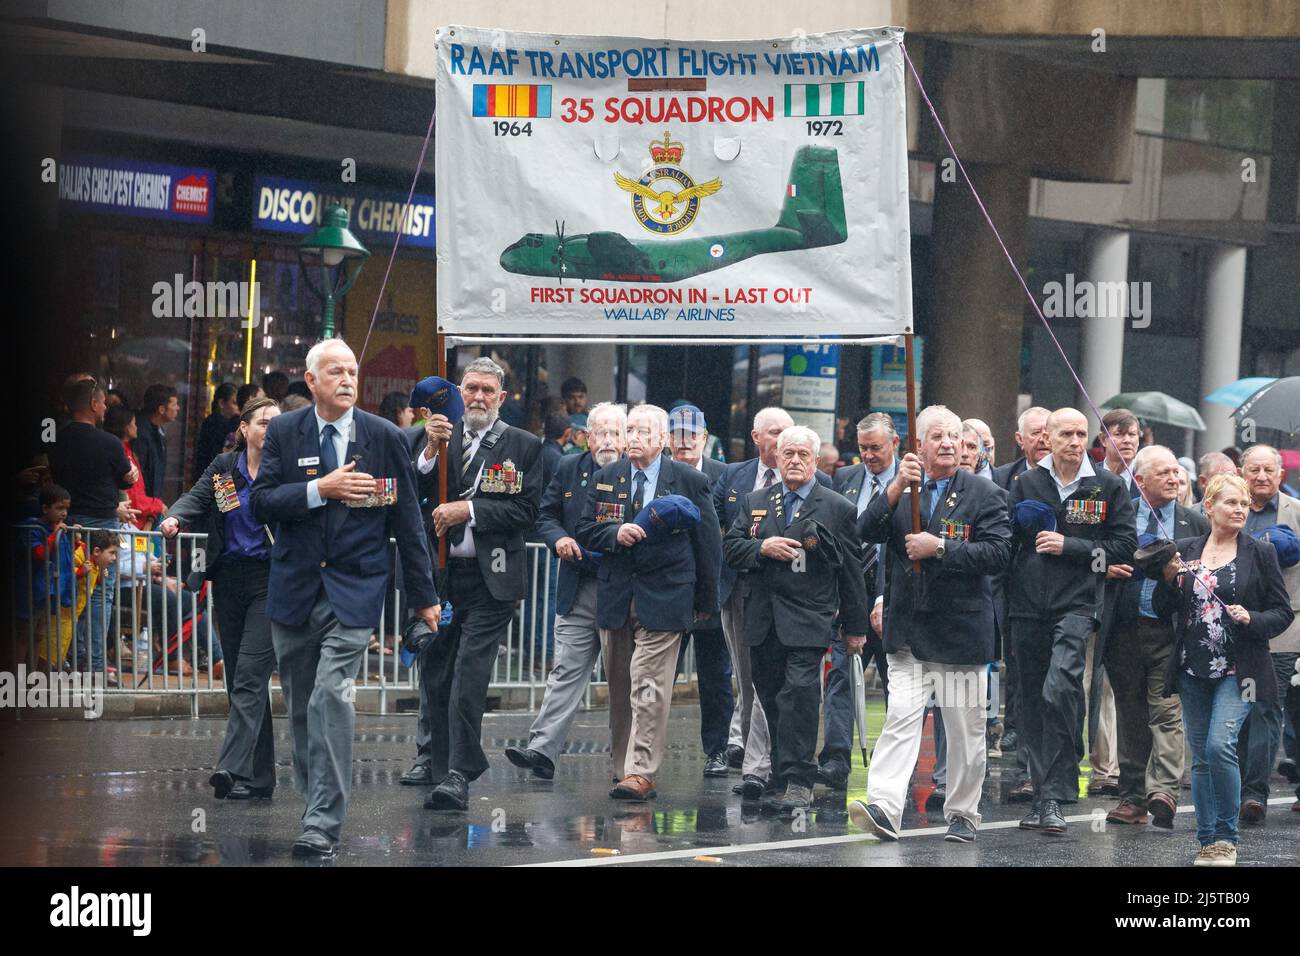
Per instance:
(297,206)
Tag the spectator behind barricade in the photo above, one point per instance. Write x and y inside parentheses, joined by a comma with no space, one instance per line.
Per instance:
(394,408)
(104,547)
(555,437)
(221,421)
(161,406)
(275,385)
(44,577)
(574,393)
(247,393)
(113,397)
(120,422)
(1212,463)
(66,389)
(28,484)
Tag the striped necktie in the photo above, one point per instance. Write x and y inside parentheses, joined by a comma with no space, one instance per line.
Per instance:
(467,442)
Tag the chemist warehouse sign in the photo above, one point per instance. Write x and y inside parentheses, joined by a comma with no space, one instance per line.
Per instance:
(376,216)
(618,186)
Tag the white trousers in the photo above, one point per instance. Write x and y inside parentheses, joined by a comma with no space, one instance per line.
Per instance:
(960,690)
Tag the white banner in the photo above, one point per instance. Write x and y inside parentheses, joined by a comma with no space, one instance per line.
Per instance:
(611,186)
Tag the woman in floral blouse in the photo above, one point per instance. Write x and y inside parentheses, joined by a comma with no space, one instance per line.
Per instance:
(1227,593)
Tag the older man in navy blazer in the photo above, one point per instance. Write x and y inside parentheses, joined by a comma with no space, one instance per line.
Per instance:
(335,484)
(649,591)
(938,623)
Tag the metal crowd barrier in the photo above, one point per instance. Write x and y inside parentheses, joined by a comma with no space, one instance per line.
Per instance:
(161,638)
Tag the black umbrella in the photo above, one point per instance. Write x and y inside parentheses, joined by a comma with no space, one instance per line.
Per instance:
(1276,405)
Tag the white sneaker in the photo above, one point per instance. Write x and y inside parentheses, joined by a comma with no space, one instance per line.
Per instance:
(1225,854)
(1205,855)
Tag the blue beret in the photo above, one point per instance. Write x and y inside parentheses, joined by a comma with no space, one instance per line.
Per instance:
(439,396)
(1033,516)
(665,515)
(1145,540)
(1284,540)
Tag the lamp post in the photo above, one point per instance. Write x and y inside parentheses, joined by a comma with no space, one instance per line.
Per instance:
(331,246)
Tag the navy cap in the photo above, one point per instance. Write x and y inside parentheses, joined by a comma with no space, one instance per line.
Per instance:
(578,421)
(686,418)
(1033,516)
(1284,540)
(1145,541)
(662,516)
(439,396)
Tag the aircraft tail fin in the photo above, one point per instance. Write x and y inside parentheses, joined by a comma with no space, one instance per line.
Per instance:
(814,198)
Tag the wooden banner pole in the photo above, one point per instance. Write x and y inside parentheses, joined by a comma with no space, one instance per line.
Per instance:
(913,440)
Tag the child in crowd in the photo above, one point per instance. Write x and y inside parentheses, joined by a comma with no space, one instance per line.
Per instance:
(45,578)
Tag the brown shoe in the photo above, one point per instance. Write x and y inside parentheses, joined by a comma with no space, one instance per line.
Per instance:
(634,787)
(1103,787)
(1163,808)
(1024,793)
(1252,811)
(1127,812)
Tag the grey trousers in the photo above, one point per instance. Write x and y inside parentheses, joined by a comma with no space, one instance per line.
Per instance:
(748,722)
(577,645)
(318,668)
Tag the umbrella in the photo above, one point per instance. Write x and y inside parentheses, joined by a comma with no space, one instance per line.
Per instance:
(860,704)
(1238,391)
(1276,405)
(1158,407)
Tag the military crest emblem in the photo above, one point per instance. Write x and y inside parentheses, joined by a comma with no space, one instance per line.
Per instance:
(666,200)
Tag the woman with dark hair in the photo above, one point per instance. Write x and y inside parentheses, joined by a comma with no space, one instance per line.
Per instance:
(120,422)
(212,433)
(396,409)
(238,563)
(1229,598)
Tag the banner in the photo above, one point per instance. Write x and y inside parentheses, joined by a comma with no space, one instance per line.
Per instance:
(130,188)
(603,186)
(375,215)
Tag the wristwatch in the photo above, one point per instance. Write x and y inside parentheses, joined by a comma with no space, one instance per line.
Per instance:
(939,549)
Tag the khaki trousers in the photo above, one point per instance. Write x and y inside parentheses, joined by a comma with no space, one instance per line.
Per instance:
(640,666)
(1103,755)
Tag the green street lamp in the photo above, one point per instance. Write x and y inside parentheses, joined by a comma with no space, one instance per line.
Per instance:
(329,247)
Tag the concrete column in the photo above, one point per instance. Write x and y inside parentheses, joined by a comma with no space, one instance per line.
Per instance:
(972,350)
(1101,364)
(1223,300)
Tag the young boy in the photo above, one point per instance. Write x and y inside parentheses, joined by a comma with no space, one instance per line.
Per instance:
(104,546)
(50,571)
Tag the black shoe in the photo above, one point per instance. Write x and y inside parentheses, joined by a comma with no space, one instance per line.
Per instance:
(833,775)
(243,791)
(960,830)
(1051,820)
(1022,793)
(451,794)
(796,797)
(222,782)
(313,843)
(1033,820)
(1289,771)
(533,760)
(750,788)
(1010,742)
(735,756)
(771,802)
(934,802)
(869,817)
(418,776)
(716,765)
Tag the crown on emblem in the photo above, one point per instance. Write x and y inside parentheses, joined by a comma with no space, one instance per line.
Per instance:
(667,151)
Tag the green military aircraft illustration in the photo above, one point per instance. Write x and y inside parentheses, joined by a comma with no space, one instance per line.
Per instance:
(812,215)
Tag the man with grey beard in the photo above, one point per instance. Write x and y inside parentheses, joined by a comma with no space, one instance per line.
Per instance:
(494,488)
(577,639)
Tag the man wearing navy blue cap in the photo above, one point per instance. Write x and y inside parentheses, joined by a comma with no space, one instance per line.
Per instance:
(687,436)
(577,638)
(494,487)
(649,592)
(1135,645)
(1055,597)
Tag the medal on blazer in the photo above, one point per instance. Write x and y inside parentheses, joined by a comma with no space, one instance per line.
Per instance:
(1085,512)
(756,515)
(503,479)
(607,511)
(384,493)
(949,528)
(223,490)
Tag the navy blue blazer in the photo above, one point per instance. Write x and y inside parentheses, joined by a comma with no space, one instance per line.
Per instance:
(344,550)
(729,493)
(562,505)
(946,617)
(669,579)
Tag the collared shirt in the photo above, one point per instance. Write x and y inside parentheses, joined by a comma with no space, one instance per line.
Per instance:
(1164,529)
(342,435)
(760,478)
(885,477)
(651,473)
(1064,490)
(1265,517)
(466,547)
(940,486)
(803,491)
(245,538)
